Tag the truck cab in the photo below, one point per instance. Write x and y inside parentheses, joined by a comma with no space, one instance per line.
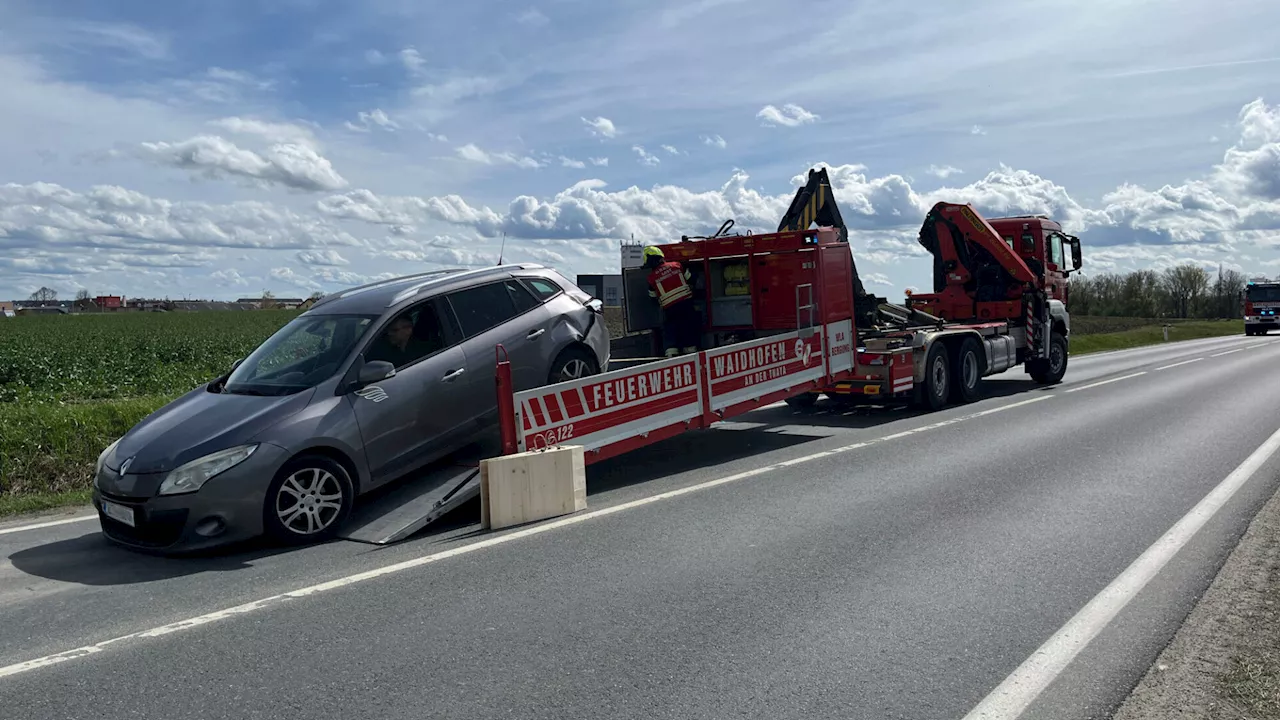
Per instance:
(1260,306)
(1042,244)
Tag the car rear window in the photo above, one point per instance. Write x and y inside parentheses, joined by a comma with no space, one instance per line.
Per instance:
(543,288)
(486,306)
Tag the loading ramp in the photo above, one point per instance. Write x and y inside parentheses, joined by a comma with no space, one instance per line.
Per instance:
(410,505)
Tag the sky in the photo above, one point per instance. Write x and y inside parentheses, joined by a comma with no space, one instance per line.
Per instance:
(216,150)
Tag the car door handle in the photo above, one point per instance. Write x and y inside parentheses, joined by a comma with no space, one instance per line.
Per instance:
(450,377)
(536,334)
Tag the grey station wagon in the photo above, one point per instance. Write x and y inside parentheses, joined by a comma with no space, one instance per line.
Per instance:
(367,386)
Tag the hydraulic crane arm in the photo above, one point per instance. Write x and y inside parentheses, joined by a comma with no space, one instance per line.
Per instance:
(964,246)
(816,203)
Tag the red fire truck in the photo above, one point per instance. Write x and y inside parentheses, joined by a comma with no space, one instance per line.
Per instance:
(1260,305)
(786,317)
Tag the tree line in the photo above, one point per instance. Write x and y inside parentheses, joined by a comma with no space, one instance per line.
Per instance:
(1182,291)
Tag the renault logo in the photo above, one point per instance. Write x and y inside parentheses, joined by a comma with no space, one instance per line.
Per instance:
(124,466)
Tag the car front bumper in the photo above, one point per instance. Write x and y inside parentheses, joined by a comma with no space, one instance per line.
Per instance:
(228,509)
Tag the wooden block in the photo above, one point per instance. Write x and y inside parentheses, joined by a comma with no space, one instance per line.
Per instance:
(532,486)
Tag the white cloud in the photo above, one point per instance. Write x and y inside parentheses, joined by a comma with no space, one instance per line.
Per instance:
(790,115)
(290,277)
(229,278)
(876,278)
(977,130)
(437,137)
(673,150)
(111,218)
(216,86)
(571,163)
(714,141)
(599,161)
(322,257)
(601,127)
(121,36)
(412,60)
(364,205)
(289,164)
(473,153)
(532,18)
(376,117)
(271,131)
(645,157)
(943,171)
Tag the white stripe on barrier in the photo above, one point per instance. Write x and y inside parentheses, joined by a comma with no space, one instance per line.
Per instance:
(598,397)
(763,374)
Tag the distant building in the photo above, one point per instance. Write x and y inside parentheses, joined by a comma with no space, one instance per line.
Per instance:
(283,303)
(606,287)
(109,302)
(43,310)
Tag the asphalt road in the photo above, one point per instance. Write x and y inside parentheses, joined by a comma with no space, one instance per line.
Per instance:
(859,564)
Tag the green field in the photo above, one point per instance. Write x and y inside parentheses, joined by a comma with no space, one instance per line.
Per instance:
(1083,343)
(70,385)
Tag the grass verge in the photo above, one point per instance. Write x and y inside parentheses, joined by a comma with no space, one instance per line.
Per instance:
(1153,335)
(33,503)
(48,450)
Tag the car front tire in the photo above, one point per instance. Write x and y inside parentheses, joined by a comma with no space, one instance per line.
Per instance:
(308,500)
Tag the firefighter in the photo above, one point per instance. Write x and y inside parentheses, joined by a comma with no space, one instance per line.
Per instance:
(669,284)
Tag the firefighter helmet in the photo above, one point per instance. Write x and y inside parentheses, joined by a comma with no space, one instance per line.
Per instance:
(652,251)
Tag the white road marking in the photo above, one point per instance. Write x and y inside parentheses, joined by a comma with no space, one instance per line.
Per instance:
(1106,382)
(1227,352)
(1250,347)
(1012,697)
(264,603)
(1180,364)
(50,523)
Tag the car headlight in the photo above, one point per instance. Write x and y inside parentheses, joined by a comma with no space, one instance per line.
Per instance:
(102,457)
(193,475)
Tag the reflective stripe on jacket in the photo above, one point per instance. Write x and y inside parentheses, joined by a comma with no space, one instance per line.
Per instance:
(669,282)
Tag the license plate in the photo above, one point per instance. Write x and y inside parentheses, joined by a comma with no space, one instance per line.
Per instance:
(119,513)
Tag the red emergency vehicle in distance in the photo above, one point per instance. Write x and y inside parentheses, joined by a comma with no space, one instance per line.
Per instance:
(1260,306)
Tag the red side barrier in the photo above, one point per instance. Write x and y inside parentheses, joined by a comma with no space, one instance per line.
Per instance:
(506,402)
(615,412)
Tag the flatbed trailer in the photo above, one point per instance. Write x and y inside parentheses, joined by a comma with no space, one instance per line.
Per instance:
(791,337)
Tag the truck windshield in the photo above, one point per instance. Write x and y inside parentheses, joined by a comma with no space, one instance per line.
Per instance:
(300,355)
(1262,293)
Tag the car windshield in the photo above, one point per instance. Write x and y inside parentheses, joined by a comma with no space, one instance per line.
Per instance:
(1262,293)
(300,355)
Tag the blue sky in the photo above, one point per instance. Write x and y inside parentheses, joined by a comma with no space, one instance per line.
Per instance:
(190,149)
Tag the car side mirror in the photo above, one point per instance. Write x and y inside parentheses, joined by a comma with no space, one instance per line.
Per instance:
(596,305)
(1076,262)
(375,371)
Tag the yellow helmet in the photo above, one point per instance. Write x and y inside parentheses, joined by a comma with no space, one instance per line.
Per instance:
(652,251)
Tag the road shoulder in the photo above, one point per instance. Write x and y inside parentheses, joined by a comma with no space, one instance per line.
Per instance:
(1224,662)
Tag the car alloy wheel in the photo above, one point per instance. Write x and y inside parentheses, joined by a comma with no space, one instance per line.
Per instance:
(309,501)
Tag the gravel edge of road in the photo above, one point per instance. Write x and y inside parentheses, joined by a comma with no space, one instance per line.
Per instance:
(1224,661)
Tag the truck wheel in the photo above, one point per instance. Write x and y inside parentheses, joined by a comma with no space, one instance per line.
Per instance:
(966,366)
(805,400)
(1050,371)
(932,394)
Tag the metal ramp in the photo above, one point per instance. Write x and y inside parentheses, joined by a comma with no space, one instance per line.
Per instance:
(411,504)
